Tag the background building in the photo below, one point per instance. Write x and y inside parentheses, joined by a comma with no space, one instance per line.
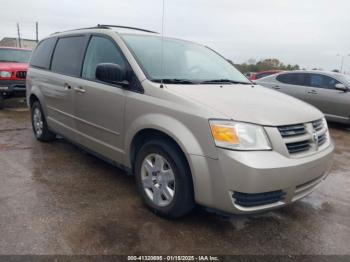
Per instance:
(13,42)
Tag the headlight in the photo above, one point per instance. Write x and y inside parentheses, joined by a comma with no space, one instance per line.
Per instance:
(239,136)
(5,74)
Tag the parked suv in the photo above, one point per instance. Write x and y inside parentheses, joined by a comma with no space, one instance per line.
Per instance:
(328,91)
(190,126)
(13,71)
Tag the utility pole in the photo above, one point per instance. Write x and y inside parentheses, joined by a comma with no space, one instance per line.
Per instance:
(37,31)
(19,36)
(342,62)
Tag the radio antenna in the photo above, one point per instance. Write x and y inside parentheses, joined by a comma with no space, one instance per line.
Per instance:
(162,47)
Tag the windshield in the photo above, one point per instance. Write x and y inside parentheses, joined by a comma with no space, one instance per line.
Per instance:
(14,55)
(182,60)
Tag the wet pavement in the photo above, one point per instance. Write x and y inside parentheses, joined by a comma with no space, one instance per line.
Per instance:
(57,199)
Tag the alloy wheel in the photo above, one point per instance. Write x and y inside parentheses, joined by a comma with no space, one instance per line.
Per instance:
(38,122)
(158,179)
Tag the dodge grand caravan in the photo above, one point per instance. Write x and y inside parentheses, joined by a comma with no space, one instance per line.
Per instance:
(185,122)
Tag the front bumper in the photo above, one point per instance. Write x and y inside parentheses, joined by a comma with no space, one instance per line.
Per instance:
(218,182)
(12,87)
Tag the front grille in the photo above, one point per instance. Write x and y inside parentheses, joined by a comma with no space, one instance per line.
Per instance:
(300,138)
(298,147)
(317,125)
(322,139)
(258,199)
(21,74)
(292,130)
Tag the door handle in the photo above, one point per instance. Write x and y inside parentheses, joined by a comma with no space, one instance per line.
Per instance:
(313,92)
(79,89)
(276,87)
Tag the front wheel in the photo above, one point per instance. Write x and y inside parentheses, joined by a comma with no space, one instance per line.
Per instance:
(164,179)
(41,131)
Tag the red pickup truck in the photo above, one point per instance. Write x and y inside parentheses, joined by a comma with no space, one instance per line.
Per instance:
(13,72)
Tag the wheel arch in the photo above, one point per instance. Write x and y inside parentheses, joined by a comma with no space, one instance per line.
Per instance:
(170,128)
(32,98)
(148,134)
(35,95)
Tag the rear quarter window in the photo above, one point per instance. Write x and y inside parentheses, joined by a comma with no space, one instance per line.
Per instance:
(68,55)
(41,56)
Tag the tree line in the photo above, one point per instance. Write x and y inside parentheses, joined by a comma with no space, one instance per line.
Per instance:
(263,65)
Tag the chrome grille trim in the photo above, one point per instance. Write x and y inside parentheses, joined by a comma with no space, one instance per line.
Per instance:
(322,139)
(304,138)
(318,124)
(292,130)
(297,147)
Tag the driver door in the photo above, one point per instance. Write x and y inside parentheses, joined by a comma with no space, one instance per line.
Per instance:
(99,107)
(321,93)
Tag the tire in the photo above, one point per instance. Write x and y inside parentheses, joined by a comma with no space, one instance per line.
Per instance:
(1,101)
(39,124)
(182,200)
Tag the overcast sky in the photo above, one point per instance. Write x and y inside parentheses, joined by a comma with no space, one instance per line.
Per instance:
(305,32)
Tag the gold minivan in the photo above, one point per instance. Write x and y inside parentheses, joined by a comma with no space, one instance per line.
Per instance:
(177,115)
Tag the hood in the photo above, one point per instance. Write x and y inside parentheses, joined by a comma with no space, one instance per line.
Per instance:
(11,66)
(253,104)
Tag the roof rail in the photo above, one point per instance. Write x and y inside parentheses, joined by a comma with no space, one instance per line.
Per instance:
(107,27)
(84,28)
(126,27)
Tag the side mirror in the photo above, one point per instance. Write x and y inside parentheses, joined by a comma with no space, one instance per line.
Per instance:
(112,74)
(341,87)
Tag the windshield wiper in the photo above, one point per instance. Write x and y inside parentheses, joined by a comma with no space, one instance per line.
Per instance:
(174,81)
(224,81)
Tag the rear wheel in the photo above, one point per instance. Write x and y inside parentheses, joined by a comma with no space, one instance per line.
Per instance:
(163,179)
(41,131)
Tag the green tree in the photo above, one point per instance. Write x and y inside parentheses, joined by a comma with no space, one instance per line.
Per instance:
(263,65)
